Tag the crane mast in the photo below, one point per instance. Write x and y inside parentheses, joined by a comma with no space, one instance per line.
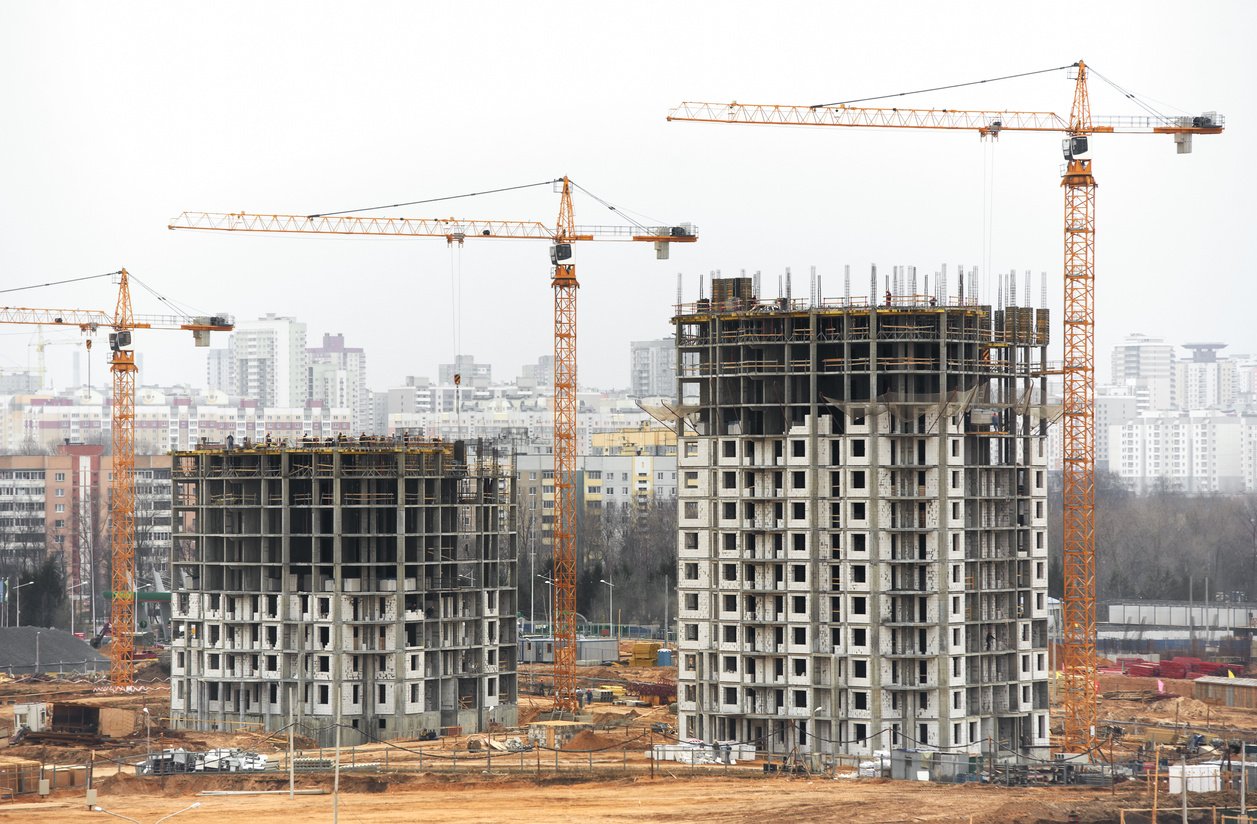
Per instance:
(1078,435)
(565,388)
(122,492)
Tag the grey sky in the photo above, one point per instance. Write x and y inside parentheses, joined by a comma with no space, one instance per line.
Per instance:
(119,116)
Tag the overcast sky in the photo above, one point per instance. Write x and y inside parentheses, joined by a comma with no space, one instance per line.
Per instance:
(117,116)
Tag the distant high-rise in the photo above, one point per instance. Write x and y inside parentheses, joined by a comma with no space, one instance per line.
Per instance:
(470,373)
(1206,381)
(218,370)
(338,377)
(653,368)
(1146,365)
(269,361)
(539,375)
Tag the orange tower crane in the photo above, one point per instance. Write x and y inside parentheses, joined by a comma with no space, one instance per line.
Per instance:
(122,365)
(1079,652)
(563,279)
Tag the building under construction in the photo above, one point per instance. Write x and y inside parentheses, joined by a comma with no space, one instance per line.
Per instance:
(381,571)
(862,526)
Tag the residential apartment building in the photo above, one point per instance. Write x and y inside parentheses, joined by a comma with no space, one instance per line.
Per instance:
(166,418)
(59,504)
(338,378)
(269,361)
(1206,381)
(862,555)
(372,579)
(1194,452)
(653,368)
(1146,364)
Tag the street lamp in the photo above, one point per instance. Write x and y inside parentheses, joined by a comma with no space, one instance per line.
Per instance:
(79,585)
(549,599)
(135,613)
(18,590)
(611,610)
(148,732)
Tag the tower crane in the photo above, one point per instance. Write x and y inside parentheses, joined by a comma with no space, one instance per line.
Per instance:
(123,322)
(40,345)
(561,236)
(1078,182)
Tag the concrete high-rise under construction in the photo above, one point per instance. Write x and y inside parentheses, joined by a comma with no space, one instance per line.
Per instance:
(381,571)
(862,528)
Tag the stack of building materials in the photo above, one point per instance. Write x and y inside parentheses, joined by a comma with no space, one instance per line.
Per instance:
(1180,667)
(645,654)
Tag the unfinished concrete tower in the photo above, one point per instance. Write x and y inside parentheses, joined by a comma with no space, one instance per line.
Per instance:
(379,570)
(862,549)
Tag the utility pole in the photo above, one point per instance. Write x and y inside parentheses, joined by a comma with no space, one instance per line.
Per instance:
(532,566)
(292,723)
(1184,788)
(667,602)
(336,777)
(1243,781)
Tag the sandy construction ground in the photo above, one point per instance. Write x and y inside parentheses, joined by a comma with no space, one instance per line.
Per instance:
(751,800)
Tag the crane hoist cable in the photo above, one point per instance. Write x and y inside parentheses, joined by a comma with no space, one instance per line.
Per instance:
(57,282)
(435,199)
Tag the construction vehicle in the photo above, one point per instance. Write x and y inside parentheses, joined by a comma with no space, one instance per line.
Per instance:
(123,323)
(1079,665)
(563,280)
(99,638)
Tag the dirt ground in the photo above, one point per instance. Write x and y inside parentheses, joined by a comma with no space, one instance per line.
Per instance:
(625,790)
(485,799)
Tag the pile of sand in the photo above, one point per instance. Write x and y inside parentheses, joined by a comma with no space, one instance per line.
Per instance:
(1189,709)
(587,740)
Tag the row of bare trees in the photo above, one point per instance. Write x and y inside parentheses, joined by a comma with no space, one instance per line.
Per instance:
(1165,545)
(631,545)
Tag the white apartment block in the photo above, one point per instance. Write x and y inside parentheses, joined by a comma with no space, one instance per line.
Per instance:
(165,419)
(1146,365)
(269,362)
(522,420)
(1206,381)
(653,368)
(338,378)
(1193,452)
